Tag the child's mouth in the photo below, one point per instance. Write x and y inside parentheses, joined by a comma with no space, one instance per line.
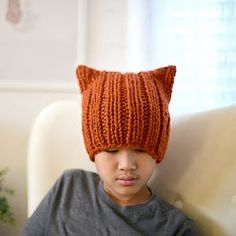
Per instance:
(127,180)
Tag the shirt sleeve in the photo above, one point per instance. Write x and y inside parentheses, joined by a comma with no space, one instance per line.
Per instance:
(186,229)
(37,224)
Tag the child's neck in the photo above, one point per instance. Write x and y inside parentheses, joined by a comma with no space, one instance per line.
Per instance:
(139,198)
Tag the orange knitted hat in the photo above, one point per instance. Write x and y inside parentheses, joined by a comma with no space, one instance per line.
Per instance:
(126,109)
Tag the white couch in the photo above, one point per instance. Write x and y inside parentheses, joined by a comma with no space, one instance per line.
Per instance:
(197,175)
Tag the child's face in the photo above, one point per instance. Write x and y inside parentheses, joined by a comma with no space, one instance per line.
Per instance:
(125,172)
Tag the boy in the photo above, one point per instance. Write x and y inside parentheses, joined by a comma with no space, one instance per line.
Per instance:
(125,123)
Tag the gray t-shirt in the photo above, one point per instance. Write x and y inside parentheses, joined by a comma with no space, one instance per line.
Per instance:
(78,205)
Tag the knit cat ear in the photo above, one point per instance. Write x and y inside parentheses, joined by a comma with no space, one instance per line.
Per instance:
(165,76)
(85,76)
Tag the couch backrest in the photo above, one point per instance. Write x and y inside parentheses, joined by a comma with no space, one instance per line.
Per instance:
(197,175)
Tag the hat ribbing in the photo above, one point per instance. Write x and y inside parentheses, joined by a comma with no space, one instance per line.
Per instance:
(126,109)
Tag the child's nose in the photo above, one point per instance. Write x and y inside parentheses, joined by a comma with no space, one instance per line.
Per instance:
(127,161)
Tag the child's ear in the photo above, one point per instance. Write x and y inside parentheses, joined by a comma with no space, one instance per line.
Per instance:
(85,76)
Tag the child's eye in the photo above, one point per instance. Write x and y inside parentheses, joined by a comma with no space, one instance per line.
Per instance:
(112,150)
(139,150)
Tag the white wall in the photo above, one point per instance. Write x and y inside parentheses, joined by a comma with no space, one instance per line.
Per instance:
(42,46)
(107,34)
(37,63)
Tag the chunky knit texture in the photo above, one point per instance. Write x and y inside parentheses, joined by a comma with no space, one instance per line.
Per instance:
(126,109)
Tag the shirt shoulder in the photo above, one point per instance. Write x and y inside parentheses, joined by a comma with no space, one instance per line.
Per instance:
(167,209)
(75,180)
(172,218)
(78,173)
